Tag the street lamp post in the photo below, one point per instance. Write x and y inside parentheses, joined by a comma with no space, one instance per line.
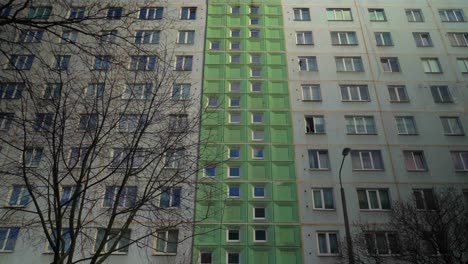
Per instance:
(349,242)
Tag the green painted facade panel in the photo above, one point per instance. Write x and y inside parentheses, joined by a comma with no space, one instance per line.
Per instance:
(247,66)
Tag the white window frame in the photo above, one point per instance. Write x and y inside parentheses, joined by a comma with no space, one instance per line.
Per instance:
(431,65)
(411,13)
(350,91)
(181,91)
(9,237)
(163,236)
(323,159)
(366,121)
(33,156)
(184,63)
(264,191)
(258,153)
(231,195)
(422,39)
(256,135)
(355,62)
(373,156)
(5,120)
(377,15)
(235,87)
(313,123)
(235,118)
(235,58)
(254,33)
(308,64)
(452,126)
(174,158)
(145,13)
(441,96)
(147,37)
(463,65)
(379,199)
(327,239)
(374,240)
(236,150)
(460,157)
(257,118)
(302,38)
(383,38)
(20,62)
(399,92)
(458,39)
(405,124)
(254,216)
(446,15)
(30,36)
(11,90)
(138,91)
(308,92)
(301,14)
(255,235)
(235,33)
(23,195)
(344,38)
(412,156)
(126,199)
(390,64)
(322,198)
(339,14)
(237,230)
(234,176)
(190,13)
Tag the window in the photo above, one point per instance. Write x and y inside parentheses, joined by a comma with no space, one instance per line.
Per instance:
(366,160)
(32,156)
(259,213)
(304,38)
(256,87)
(235,9)
(255,33)
(414,160)
(318,159)
(259,191)
(31,36)
(460,160)
(132,122)
(422,39)
(121,236)
(184,63)
(382,243)
(234,172)
(206,258)
(311,93)
(234,86)
(52,91)
(323,199)
(463,64)
(234,152)
(77,13)
(431,65)
(424,199)
(254,21)
(69,37)
(170,198)
(343,38)
(354,93)
(452,126)
(64,238)
(414,15)
(308,64)
(257,118)
(138,91)
(233,258)
(390,64)
(109,37)
(88,122)
(11,90)
(167,242)
(383,38)
(315,124)
(126,158)
(186,37)
(255,58)
(258,135)
(339,14)
(377,15)
(301,14)
(147,37)
(258,153)
(5,120)
(19,196)
(441,94)
(374,199)
(62,62)
(174,159)
(233,191)
(254,10)
(210,171)
(151,13)
(458,39)
(20,62)
(406,125)
(188,13)
(9,236)
(125,197)
(213,101)
(215,45)
(360,125)
(95,91)
(398,93)
(114,12)
(452,15)
(256,72)
(235,45)
(235,58)
(143,63)
(260,235)
(44,121)
(39,12)
(181,91)
(233,235)
(77,155)
(328,243)
(234,118)
(102,63)
(349,64)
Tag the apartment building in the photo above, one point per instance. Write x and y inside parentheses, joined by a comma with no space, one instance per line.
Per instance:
(279,88)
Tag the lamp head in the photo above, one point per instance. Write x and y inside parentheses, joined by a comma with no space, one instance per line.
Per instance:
(346,151)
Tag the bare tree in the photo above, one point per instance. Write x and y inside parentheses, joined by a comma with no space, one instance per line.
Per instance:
(100,134)
(428,228)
